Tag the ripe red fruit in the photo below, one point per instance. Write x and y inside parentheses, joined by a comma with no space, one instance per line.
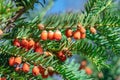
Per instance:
(31,43)
(41,69)
(77,35)
(82,29)
(44,35)
(45,74)
(83,35)
(50,35)
(1,32)
(57,35)
(26,67)
(39,50)
(61,56)
(11,61)
(24,43)
(68,32)
(18,60)
(40,26)
(3,78)
(16,42)
(50,71)
(37,45)
(93,30)
(35,71)
(88,71)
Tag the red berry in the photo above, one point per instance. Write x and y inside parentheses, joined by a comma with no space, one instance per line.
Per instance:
(82,29)
(1,32)
(44,35)
(68,32)
(83,35)
(24,43)
(50,35)
(26,67)
(50,71)
(88,71)
(77,35)
(35,71)
(31,44)
(11,61)
(41,69)
(3,78)
(57,35)
(18,60)
(61,56)
(93,30)
(45,75)
(16,42)
(39,50)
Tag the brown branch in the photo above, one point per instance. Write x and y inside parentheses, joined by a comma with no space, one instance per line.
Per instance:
(13,19)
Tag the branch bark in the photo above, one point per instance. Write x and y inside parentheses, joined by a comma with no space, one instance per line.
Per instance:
(13,19)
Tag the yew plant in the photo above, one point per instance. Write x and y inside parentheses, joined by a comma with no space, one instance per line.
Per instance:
(41,48)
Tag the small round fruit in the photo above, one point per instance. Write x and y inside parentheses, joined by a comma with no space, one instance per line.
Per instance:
(24,43)
(83,35)
(16,42)
(50,71)
(88,71)
(93,30)
(45,74)
(18,60)
(1,32)
(39,50)
(77,35)
(26,67)
(57,35)
(41,70)
(35,71)
(11,61)
(68,32)
(31,43)
(44,35)
(3,78)
(40,26)
(61,56)
(82,29)
(50,35)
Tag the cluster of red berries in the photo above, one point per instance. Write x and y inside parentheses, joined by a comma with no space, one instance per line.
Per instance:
(44,72)
(63,54)
(51,35)
(17,61)
(80,33)
(28,44)
(84,66)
